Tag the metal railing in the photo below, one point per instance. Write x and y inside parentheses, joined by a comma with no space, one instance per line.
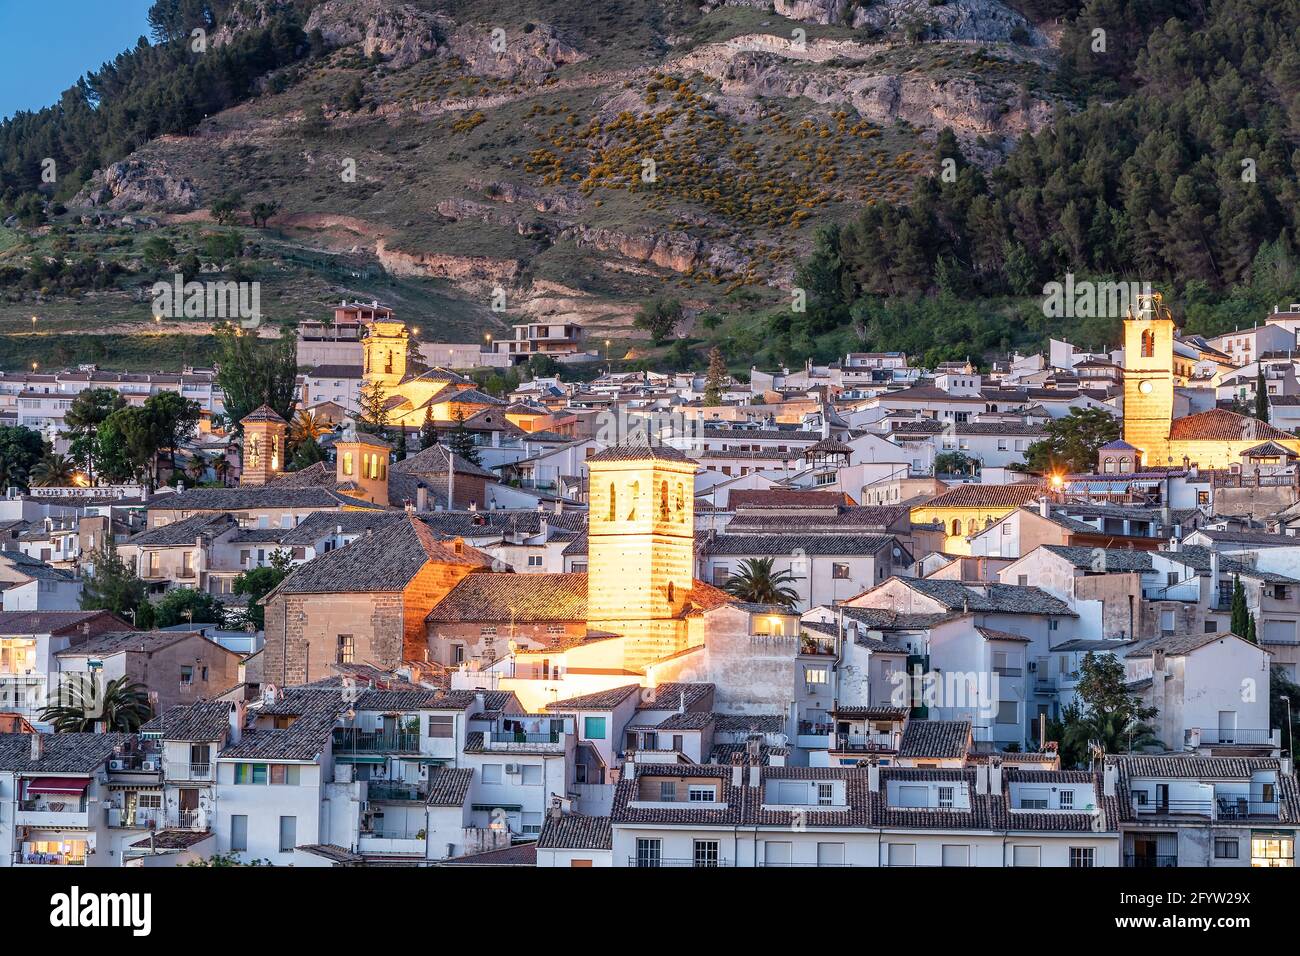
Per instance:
(1253,737)
(645,862)
(521,737)
(393,791)
(1149,860)
(865,742)
(33,858)
(376,741)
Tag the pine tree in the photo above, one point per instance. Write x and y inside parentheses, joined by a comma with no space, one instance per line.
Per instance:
(374,413)
(1250,631)
(399,448)
(461,441)
(428,433)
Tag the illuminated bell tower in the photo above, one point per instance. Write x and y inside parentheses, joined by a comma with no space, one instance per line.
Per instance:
(1149,378)
(263,458)
(385,348)
(641,545)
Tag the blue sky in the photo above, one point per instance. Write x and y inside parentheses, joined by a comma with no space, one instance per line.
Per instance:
(46,45)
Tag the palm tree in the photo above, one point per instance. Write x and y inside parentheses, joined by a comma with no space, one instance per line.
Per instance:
(755,582)
(121,706)
(1110,732)
(221,465)
(53,470)
(307,426)
(198,467)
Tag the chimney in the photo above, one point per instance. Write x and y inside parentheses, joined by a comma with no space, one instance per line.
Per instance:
(480,703)
(1044,507)
(995,775)
(236,718)
(38,747)
(1214,575)
(982,779)
(754,772)
(1108,779)
(873,777)
(737,774)
(421,497)
(629,770)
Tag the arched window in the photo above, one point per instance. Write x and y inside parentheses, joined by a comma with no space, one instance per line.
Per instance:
(663,501)
(634,493)
(956,527)
(613,516)
(1125,465)
(1109,466)
(681,502)
(1148,344)
(970,526)
(252,451)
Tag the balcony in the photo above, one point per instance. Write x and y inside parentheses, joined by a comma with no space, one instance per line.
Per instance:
(200,772)
(52,815)
(1239,736)
(866,743)
(376,741)
(1150,860)
(656,862)
(27,857)
(384,791)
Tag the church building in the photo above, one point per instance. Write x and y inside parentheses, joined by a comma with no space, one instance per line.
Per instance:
(1153,428)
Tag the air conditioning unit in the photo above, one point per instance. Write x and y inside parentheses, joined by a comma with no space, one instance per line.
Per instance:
(150,765)
(1033,666)
(117,765)
(512,768)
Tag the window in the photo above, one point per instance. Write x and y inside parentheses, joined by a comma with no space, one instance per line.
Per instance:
(649,852)
(825,794)
(840,571)
(955,854)
(1008,712)
(532,775)
(701,794)
(441,726)
(705,853)
(1067,799)
(346,649)
(667,791)
(531,823)
(1026,855)
(902,854)
(187,675)
(1148,344)
(238,833)
(285,774)
(251,773)
(1082,856)
(777,853)
(534,560)
(815,675)
(492,773)
(830,854)
(1227,849)
(945,798)
(593,728)
(288,834)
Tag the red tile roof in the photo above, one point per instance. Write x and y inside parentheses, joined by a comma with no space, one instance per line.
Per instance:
(986,496)
(1219,424)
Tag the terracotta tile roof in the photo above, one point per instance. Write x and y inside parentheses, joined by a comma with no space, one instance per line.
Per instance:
(633,452)
(986,496)
(939,739)
(521,854)
(601,700)
(386,559)
(1219,424)
(80,753)
(205,720)
(672,695)
(173,839)
(57,622)
(785,544)
(449,786)
(263,413)
(785,498)
(534,598)
(871,713)
(572,831)
(748,723)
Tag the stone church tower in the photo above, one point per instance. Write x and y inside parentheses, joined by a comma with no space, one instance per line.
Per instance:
(1149,379)
(641,546)
(385,348)
(263,458)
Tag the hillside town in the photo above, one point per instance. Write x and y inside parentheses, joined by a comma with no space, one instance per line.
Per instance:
(500,604)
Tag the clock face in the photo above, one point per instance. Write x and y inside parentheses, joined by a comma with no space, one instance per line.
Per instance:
(1145,388)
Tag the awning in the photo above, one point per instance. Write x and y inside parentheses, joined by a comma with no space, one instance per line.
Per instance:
(65,785)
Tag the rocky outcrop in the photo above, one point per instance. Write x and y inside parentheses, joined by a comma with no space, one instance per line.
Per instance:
(812,11)
(435,265)
(672,250)
(138,184)
(529,56)
(401,33)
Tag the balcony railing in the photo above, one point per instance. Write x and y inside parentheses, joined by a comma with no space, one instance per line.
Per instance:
(1250,737)
(655,862)
(377,741)
(190,820)
(33,858)
(520,737)
(403,792)
(1149,861)
(1201,808)
(866,743)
